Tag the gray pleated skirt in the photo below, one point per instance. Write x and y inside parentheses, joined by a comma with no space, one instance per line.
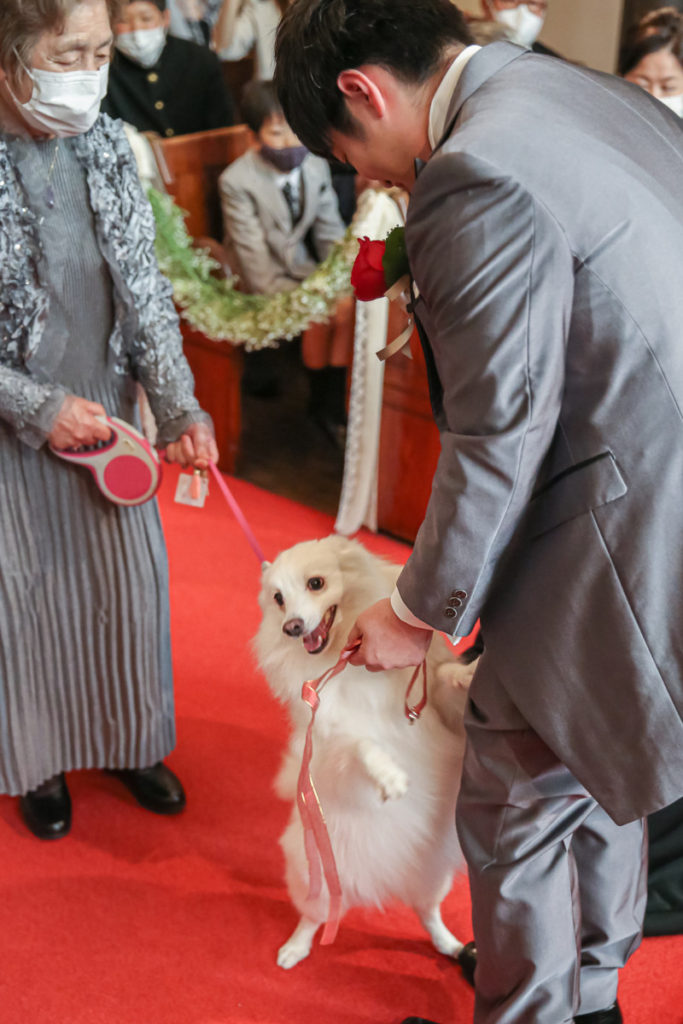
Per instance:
(85,666)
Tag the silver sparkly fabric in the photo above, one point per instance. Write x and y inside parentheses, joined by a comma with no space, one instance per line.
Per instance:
(145,341)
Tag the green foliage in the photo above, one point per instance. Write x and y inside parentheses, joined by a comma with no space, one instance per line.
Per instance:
(214,307)
(395,259)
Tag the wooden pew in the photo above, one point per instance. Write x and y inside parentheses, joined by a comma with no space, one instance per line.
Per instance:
(409,440)
(190,166)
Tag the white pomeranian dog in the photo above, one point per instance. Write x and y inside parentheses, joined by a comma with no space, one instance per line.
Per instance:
(387,787)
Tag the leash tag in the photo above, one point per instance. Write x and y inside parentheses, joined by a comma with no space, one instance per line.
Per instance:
(187,482)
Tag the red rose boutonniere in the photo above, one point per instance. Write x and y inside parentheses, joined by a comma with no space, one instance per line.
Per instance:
(381,269)
(379,265)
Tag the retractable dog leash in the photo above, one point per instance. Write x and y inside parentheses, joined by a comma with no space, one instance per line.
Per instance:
(126,468)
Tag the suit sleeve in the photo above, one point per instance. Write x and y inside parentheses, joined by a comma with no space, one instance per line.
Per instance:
(495,273)
(244,234)
(328,226)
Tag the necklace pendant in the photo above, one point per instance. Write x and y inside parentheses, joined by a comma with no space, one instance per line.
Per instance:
(50,197)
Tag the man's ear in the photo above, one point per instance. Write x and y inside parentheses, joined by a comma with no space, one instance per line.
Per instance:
(361,92)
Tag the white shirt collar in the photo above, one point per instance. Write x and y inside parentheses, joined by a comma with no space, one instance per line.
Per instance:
(438,112)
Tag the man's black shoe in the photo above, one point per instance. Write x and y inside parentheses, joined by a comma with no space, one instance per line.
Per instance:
(612,1015)
(156,789)
(467,958)
(47,809)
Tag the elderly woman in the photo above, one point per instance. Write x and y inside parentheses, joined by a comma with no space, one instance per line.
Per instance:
(653,56)
(85,665)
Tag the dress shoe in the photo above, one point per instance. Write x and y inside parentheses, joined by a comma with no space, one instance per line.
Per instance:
(467,958)
(417,1020)
(612,1015)
(47,809)
(156,789)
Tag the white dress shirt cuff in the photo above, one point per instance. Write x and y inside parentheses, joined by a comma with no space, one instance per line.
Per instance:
(404,613)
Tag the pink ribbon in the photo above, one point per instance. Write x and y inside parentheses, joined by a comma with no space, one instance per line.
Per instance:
(237,512)
(319,852)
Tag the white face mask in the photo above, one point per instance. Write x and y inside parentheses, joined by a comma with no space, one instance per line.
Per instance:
(523,25)
(674,103)
(64,102)
(144,45)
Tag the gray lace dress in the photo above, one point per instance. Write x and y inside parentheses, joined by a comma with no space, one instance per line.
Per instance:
(85,664)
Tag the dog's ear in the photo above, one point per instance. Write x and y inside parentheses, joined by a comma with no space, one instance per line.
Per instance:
(265,566)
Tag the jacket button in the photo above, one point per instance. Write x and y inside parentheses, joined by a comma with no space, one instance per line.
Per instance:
(460,594)
(454,602)
(152,77)
(450,613)
(159,105)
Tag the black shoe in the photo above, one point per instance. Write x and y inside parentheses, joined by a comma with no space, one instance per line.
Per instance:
(467,958)
(156,789)
(612,1015)
(417,1020)
(47,809)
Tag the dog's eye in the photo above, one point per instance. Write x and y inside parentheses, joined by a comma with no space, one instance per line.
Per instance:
(279,599)
(316,583)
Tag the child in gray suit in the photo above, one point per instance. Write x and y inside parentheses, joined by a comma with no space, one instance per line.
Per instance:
(281,218)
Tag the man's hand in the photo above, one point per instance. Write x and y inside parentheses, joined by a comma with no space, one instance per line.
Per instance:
(196,447)
(387,641)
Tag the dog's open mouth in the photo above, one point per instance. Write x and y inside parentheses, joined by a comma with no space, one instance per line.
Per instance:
(316,640)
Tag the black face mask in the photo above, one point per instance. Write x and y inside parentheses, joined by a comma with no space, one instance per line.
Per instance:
(284,160)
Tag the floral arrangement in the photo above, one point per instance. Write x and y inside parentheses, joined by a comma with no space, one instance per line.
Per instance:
(215,307)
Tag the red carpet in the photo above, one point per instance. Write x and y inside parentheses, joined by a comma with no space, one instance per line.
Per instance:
(136,919)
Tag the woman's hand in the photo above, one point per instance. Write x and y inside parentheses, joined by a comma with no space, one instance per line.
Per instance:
(196,447)
(77,424)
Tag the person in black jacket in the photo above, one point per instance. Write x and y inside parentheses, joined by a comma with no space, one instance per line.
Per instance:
(160,83)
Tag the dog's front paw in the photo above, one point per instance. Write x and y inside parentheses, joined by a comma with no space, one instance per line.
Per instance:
(392,784)
(391,781)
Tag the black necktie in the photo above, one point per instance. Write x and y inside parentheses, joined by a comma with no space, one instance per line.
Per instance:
(292,200)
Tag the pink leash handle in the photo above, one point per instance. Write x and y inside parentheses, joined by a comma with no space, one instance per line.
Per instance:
(237,512)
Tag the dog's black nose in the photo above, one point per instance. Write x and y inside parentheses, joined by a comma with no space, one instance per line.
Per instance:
(293,627)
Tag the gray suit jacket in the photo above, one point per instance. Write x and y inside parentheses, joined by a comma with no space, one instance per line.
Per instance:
(545,235)
(272,254)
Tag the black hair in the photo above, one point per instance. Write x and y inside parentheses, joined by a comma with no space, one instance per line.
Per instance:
(659,30)
(259,102)
(318,39)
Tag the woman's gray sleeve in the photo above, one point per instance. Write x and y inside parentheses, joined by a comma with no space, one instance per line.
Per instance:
(28,406)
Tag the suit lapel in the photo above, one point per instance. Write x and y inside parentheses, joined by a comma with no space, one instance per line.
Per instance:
(483,65)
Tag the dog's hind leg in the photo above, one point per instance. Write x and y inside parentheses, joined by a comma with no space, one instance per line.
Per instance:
(443,940)
(298,945)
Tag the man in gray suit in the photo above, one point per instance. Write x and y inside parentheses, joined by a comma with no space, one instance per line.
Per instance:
(545,237)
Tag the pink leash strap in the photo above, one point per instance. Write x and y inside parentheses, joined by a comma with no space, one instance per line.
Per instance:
(319,852)
(237,512)
(316,837)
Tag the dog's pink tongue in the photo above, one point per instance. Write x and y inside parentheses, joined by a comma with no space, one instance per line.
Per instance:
(313,640)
